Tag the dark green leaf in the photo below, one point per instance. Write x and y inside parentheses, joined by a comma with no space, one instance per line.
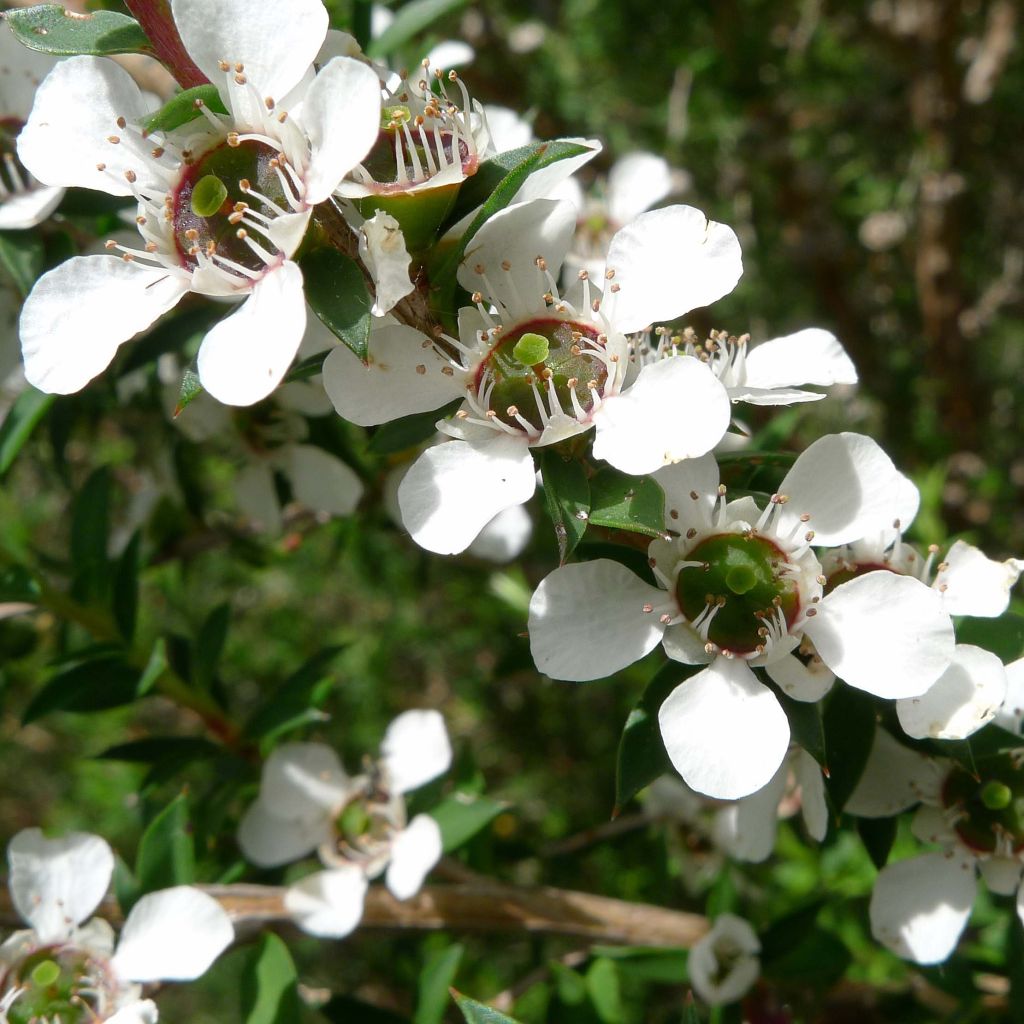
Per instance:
(171,334)
(126,885)
(21,419)
(641,757)
(409,431)
(411,19)
(18,585)
(805,723)
(566,498)
(878,835)
(690,1014)
(270,984)
(125,598)
(605,991)
(181,108)
(1014,959)
(165,857)
(209,645)
(819,960)
(306,368)
(1003,636)
(191,389)
(182,749)
(336,291)
(849,724)
(633,503)
(436,979)
(477,1013)
(23,256)
(155,667)
(346,1010)
(90,529)
(50,29)
(663,966)
(570,984)
(462,815)
(94,685)
(788,931)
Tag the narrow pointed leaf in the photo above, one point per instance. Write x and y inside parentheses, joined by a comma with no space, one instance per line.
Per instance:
(633,503)
(336,291)
(566,498)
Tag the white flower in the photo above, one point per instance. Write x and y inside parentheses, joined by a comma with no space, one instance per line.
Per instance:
(724,963)
(66,970)
(740,587)
(356,824)
(224,201)
(535,368)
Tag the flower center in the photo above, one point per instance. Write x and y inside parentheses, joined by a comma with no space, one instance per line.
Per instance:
(990,809)
(58,983)
(736,591)
(851,572)
(13,176)
(543,356)
(216,193)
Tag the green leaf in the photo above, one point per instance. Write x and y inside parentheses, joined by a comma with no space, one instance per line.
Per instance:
(605,991)
(641,758)
(462,815)
(22,418)
(97,684)
(566,498)
(806,724)
(181,749)
(125,597)
(309,367)
(90,529)
(409,21)
(50,29)
(191,389)
(435,980)
(788,931)
(819,960)
(409,431)
(23,255)
(126,885)
(336,290)
(849,725)
(209,645)
(155,667)
(633,503)
(570,984)
(181,108)
(165,857)
(477,1013)
(346,1010)
(270,984)
(17,584)
(297,700)
(1003,636)
(878,835)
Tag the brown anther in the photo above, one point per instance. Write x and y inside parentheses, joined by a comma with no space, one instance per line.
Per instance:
(691,533)
(232,140)
(110,244)
(505,265)
(127,257)
(694,495)
(131,177)
(722,489)
(576,350)
(282,117)
(809,536)
(244,184)
(805,517)
(476,298)
(572,382)
(584,275)
(223,65)
(447,371)
(421,369)
(673,513)
(615,288)
(490,414)
(596,305)
(812,611)
(101,167)
(122,123)
(512,410)
(191,234)
(156,152)
(591,385)
(268,102)
(541,263)
(609,274)
(461,414)
(114,139)
(822,579)
(242,234)
(546,373)
(648,608)
(235,218)
(151,247)
(140,220)
(479,268)
(240,79)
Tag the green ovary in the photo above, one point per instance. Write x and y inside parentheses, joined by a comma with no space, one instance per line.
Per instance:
(988,808)
(744,579)
(56,983)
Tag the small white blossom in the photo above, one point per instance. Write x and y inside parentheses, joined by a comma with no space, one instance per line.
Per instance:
(724,964)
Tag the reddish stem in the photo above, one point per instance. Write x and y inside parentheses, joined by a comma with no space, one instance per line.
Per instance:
(155,18)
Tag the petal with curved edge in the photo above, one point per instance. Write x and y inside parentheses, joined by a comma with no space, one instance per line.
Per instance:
(680,482)
(243,358)
(415,749)
(515,238)
(636,182)
(382,249)
(320,481)
(78,314)
(684,644)
(504,537)
(724,963)
(805,682)
(973,584)
(172,935)
(668,262)
(452,491)
(929,825)
(414,851)
(677,409)
(963,699)
(886,634)
(894,779)
(22,71)
(1011,714)
(812,794)
(67,138)
(724,731)
(811,356)
(256,497)
(746,829)
(1001,874)
(919,907)
(142,1012)
(27,209)
(57,883)
(270,840)
(400,379)
(303,782)
(548,182)
(275,43)
(328,904)
(588,620)
(849,487)
(347,92)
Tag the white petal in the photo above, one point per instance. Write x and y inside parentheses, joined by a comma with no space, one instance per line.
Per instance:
(21,72)
(27,209)
(684,644)
(504,537)
(414,851)
(321,481)
(811,356)
(677,409)
(80,312)
(257,499)
(548,181)
(668,262)
(972,584)
(57,883)
(382,249)
(415,749)
(142,1012)
(1011,714)
(746,829)
(883,633)
(328,904)
(849,487)
(517,236)
(812,794)
(243,358)
(724,731)
(303,782)
(344,92)
(963,699)
(808,682)
(507,128)
(276,43)
(75,114)
(400,379)
(173,935)
(920,906)
(636,182)
(683,479)
(450,53)
(724,964)
(269,840)
(776,396)
(588,620)
(894,779)
(929,824)
(454,490)
(1001,874)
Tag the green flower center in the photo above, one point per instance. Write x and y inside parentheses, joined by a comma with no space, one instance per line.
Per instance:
(213,197)
(58,983)
(538,355)
(989,808)
(736,592)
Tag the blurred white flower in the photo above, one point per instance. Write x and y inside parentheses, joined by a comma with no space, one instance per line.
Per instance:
(724,964)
